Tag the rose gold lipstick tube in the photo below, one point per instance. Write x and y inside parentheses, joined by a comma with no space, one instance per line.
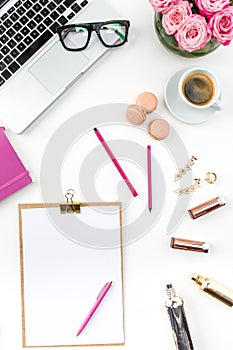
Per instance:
(187,244)
(214,288)
(206,207)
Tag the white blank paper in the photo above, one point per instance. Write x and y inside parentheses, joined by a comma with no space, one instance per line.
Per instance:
(61,280)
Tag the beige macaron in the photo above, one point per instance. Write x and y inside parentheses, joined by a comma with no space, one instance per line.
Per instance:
(159,129)
(135,114)
(148,101)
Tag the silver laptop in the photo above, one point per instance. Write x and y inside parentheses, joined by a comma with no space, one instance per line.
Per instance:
(35,69)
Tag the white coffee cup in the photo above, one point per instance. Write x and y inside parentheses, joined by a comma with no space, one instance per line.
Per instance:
(199,88)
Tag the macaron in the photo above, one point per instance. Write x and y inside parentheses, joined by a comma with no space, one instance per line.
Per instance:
(158,129)
(148,101)
(135,114)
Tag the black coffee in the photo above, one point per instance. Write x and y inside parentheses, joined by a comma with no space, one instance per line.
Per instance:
(198,88)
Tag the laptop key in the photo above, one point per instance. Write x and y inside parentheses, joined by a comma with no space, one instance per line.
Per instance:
(21,10)
(84,3)
(14,17)
(71,15)
(4,38)
(30,14)
(54,15)
(2,81)
(34,34)
(2,66)
(14,53)
(67,3)
(8,59)
(41,28)
(18,37)
(44,2)
(28,40)
(27,4)
(7,23)
(62,20)
(76,8)
(58,1)
(21,47)
(1,56)
(12,43)
(25,31)
(6,74)
(54,27)
(38,18)
(18,3)
(29,52)
(10,32)
(32,24)
(45,12)
(11,10)
(48,21)
(13,67)
(37,7)
(51,6)
(24,20)
(4,16)
(61,9)
(17,26)
(5,49)
(2,30)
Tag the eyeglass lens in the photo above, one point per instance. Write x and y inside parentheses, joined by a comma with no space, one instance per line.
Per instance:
(113,34)
(76,37)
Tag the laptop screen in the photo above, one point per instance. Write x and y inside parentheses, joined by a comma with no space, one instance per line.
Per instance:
(3,2)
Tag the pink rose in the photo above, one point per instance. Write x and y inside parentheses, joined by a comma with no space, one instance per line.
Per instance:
(209,7)
(176,15)
(221,25)
(193,34)
(162,5)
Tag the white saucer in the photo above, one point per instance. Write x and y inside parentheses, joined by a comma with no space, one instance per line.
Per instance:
(178,108)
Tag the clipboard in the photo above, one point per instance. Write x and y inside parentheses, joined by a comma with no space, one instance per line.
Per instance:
(61,279)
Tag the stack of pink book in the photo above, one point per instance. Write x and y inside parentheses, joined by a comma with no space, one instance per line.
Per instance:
(13,174)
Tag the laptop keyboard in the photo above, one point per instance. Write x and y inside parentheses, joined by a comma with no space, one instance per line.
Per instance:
(27,26)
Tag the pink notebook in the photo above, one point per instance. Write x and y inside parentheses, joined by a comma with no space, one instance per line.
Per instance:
(13,175)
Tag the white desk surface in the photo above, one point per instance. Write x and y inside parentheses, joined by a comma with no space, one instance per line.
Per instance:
(149,262)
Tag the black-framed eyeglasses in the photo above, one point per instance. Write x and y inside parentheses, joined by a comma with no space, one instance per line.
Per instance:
(76,37)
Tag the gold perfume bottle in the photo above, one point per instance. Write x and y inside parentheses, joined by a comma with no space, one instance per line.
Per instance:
(175,308)
(214,288)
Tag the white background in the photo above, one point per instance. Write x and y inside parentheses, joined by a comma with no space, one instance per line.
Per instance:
(142,65)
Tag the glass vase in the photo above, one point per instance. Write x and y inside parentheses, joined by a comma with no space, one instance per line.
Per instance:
(170,43)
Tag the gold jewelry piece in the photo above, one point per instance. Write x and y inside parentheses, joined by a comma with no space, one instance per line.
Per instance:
(211,178)
(186,167)
(192,188)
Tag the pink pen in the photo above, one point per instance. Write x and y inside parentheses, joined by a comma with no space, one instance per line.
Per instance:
(149,179)
(115,162)
(100,297)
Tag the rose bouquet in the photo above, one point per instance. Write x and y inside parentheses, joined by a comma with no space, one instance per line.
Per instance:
(193,27)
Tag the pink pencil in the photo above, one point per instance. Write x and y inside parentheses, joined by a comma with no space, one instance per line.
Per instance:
(149,179)
(115,162)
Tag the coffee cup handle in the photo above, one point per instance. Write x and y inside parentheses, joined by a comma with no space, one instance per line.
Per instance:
(218,105)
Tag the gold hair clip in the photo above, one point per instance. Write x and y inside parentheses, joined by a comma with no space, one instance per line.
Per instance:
(192,188)
(186,167)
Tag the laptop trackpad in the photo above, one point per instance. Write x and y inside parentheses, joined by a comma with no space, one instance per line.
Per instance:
(58,67)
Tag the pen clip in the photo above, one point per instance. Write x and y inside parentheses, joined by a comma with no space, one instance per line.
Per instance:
(102,289)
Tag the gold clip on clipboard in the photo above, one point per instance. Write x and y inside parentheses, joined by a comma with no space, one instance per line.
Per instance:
(70,207)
